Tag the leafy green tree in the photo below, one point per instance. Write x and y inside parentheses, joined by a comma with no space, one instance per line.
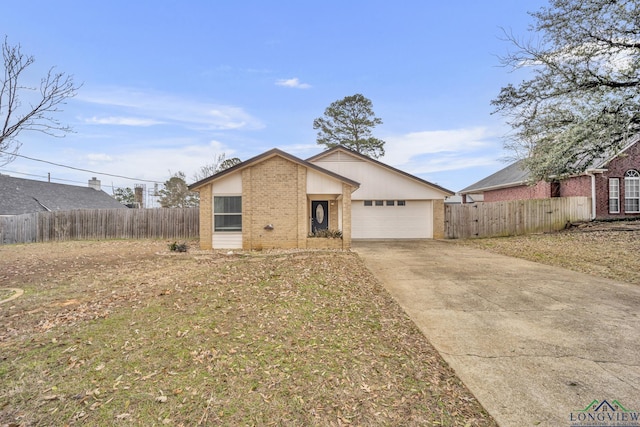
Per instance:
(38,114)
(582,99)
(124,195)
(221,163)
(349,122)
(176,194)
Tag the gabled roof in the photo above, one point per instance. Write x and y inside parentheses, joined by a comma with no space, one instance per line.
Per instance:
(516,174)
(376,162)
(20,196)
(603,162)
(265,156)
(513,175)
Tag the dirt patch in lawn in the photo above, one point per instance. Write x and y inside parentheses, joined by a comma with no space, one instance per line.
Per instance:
(604,249)
(127,332)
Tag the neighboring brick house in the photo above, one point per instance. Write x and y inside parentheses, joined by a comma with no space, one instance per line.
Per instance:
(613,184)
(20,196)
(276,200)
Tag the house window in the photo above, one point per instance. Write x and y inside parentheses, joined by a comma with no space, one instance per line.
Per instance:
(227,213)
(632,191)
(614,195)
(379,203)
(368,202)
(391,203)
(402,203)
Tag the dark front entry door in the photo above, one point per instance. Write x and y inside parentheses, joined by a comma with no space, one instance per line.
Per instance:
(319,215)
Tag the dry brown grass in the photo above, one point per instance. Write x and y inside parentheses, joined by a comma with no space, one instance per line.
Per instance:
(605,249)
(124,332)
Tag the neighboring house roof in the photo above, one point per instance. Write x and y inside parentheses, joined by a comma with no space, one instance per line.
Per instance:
(511,176)
(20,196)
(264,156)
(383,165)
(516,174)
(603,162)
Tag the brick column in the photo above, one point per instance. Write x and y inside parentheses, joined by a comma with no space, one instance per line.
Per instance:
(206,217)
(303,203)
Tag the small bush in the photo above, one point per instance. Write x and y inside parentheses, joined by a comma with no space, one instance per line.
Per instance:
(328,234)
(178,247)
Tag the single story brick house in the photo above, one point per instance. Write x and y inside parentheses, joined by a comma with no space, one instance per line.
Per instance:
(612,183)
(276,200)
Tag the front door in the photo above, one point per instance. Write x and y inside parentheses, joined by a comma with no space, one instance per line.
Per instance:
(319,215)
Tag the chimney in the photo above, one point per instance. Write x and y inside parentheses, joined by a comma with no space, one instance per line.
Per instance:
(138,196)
(95,184)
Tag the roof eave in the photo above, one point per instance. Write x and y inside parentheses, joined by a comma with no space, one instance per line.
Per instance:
(384,165)
(491,188)
(264,156)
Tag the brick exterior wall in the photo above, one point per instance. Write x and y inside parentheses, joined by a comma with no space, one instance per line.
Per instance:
(581,186)
(206,217)
(274,192)
(602,196)
(541,190)
(617,168)
(271,195)
(576,186)
(304,205)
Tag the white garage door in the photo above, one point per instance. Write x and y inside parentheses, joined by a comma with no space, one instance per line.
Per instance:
(412,221)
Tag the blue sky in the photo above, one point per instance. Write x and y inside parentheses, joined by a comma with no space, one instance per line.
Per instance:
(169,85)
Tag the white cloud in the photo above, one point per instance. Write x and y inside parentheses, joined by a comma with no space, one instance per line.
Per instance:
(402,149)
(122,121)
(451,163)
(454,158)
(294,83)
(98,158)
(148,108)
(154,163)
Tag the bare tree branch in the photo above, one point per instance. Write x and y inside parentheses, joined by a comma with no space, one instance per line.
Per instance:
(55,88)
(582,99)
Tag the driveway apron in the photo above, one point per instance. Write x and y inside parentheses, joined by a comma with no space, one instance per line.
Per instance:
(535,344)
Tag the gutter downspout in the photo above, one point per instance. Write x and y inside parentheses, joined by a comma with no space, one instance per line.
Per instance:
(592,173)
(593,195)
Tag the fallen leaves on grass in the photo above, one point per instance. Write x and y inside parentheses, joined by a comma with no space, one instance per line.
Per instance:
(604,249)
(293,337)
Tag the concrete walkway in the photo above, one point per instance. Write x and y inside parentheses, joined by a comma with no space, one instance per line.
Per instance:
(535,344)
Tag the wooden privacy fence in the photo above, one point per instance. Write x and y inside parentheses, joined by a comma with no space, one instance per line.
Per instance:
(96,224)
(514,217)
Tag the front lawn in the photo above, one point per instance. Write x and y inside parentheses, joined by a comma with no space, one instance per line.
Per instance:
(127,332)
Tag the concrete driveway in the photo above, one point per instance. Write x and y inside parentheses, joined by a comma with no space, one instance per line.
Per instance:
(535,344)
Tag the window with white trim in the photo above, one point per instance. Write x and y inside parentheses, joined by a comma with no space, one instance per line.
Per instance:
(614,195)
(632,191)
(227,213)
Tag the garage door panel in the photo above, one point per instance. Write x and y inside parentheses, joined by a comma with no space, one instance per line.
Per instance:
(413,221)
